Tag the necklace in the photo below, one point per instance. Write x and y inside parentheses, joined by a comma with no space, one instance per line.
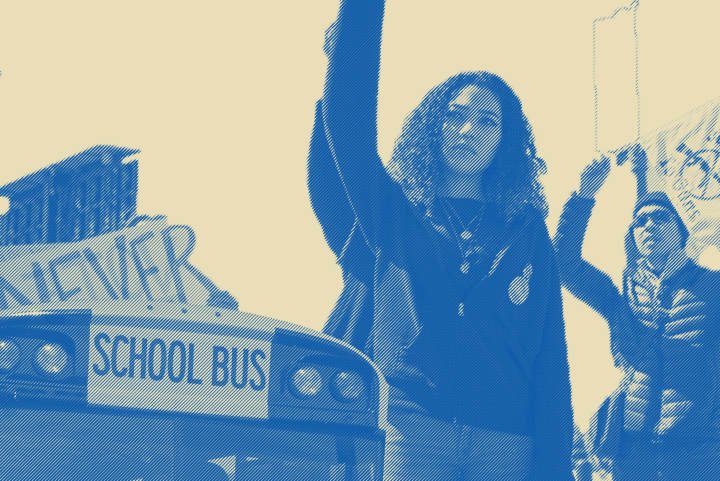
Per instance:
(466,233)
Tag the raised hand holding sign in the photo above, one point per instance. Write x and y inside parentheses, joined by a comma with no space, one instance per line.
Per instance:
(593,177)
(639,160)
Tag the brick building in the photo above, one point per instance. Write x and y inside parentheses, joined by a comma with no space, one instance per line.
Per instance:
(87,194)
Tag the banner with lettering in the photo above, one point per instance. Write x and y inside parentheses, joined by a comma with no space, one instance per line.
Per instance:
(683,162)
(147,262)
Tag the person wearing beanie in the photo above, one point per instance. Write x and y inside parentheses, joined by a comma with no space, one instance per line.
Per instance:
(663,421)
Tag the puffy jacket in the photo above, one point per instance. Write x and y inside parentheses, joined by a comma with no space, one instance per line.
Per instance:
(663,335)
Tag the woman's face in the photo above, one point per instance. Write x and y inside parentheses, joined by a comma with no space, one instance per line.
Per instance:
(471,131)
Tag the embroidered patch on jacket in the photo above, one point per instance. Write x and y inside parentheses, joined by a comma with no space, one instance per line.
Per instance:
(519,288)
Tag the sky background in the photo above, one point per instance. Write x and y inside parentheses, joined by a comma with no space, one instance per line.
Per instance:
(219,98)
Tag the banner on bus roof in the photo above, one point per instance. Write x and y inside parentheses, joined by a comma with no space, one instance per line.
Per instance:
(147,262)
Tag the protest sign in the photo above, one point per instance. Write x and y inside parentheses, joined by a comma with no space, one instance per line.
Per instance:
(146,262)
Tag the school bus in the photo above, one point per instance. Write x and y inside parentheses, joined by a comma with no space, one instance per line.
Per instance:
(106,374)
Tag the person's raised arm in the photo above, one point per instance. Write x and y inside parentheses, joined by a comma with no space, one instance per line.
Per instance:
(585,281)
(327,195)
(350,110)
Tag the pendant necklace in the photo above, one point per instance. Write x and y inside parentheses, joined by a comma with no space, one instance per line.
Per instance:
(466,233)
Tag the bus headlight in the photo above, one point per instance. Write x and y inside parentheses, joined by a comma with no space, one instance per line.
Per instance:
(305,382)
(9,355)
(347,386)
(51,360)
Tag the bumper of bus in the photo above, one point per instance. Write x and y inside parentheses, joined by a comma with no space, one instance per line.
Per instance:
(66,443)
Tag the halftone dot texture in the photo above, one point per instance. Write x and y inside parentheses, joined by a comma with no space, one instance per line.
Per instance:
(520,286)
(663,338)
(90,193)
(615,78)
(683,161)
(643,461)
(72,233)
(682,156)
(147,262)
(80,446)
(510,181)
(177,377)
(421,447)
(451,341)
(192,380)
(202,373)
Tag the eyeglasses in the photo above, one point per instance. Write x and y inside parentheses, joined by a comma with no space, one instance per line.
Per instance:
(658,218)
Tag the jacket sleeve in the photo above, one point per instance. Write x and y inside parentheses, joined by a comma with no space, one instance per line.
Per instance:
(552,408)
(351,318)
(350,111)
(585,281)
(327,194)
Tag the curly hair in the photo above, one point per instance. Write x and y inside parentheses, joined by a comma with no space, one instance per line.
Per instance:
(511,182)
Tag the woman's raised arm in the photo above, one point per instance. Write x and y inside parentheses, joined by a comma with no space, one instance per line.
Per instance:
(350,111)
(327,194)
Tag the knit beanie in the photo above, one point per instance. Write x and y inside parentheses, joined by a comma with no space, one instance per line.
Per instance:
(661,199)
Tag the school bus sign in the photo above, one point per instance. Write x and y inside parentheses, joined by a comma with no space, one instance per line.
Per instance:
(148,368)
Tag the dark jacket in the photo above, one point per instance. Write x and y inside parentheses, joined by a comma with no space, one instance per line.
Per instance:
(663,335)
(480,358)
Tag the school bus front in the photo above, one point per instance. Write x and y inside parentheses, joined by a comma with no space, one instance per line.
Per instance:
(126,391)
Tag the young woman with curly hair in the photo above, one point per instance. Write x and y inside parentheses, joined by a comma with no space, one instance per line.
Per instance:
(450,277)
(511,185)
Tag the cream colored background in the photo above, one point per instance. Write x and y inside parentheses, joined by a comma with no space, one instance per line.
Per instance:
(219,97)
